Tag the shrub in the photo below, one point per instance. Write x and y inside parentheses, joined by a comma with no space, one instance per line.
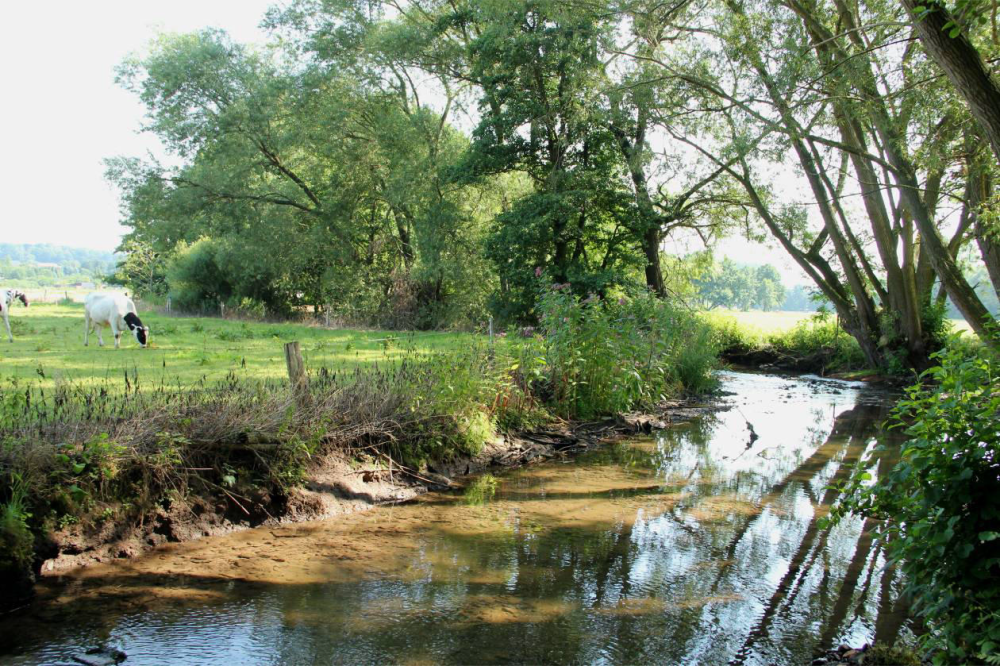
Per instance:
(821,335)
(607,358)
(939,504)
(16,540)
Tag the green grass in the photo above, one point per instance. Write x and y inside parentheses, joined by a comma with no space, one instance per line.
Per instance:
(761,323)
(48,347)
(765,323)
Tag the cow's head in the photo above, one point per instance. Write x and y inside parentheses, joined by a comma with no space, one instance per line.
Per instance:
(23,297)
(140,332)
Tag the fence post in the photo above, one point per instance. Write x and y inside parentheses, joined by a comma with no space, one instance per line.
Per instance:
(168,304)
(222,310)
(491,330)
(297,371)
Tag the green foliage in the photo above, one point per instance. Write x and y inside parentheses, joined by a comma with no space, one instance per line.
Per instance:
(815,343)
(941,518)
(482,489)
(86,472)
(744,288)
(142,270)
(896,655)
(339,182)
(607,358)
(60,265)
(822,335)
(198,283)
(16,539)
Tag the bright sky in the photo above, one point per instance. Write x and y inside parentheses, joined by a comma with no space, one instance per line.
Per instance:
(64,114)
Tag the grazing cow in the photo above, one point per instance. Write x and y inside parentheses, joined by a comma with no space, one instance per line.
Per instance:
(7,298)
(116,311)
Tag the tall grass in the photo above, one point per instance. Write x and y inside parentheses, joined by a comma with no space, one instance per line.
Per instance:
(16,540)
(606,358)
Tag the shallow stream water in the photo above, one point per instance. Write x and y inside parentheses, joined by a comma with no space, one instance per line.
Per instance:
(693,546)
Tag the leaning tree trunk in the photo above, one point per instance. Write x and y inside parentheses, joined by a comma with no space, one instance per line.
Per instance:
(894,144)
(980,187)
(963,65)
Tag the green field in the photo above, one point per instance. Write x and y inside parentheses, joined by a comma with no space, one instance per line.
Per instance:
(48,347)
(766,323)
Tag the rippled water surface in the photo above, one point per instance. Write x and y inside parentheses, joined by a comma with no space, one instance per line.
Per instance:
(695,546)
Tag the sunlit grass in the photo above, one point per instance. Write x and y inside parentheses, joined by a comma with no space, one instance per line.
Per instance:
(48,347)
(765,323)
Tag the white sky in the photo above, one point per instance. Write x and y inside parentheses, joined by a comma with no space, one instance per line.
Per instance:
(64,114)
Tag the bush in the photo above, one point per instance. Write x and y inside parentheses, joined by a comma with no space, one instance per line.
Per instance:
(939,504)
(16,540)
(821,335)
(607,358)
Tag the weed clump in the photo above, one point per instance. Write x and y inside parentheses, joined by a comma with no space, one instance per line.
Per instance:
(607,358)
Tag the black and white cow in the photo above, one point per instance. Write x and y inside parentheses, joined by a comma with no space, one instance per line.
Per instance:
(116,311)
(7,298)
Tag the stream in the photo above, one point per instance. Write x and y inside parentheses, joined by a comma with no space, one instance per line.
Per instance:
(694,545)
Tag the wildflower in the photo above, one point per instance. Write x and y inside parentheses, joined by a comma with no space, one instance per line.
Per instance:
(538,271)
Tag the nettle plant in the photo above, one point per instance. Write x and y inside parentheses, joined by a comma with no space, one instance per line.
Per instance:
(941,518)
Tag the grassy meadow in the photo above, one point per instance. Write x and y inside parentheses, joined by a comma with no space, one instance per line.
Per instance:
(48,347)
(767,323)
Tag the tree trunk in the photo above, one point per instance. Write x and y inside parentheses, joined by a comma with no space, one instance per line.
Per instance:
(894,144)
(654,272)
(980,187)
(963,65)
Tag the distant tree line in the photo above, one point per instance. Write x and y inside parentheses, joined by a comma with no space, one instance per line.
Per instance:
(19,264)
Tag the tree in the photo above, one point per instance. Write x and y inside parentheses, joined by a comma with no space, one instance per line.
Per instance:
(338,179)
(141,269)
(783,84)
(948,44)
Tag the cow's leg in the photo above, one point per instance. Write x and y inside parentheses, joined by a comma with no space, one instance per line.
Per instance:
(117,333)
(100,333)
(6,322)
(86,328)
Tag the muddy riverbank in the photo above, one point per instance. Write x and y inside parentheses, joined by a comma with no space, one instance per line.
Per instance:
(342,483)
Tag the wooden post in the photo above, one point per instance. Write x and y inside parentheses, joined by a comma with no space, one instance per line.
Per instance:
(491,330)
(168,304)
(222,310)
(297,371)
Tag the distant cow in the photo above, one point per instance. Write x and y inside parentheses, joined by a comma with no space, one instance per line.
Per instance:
(7,298)
(116,311)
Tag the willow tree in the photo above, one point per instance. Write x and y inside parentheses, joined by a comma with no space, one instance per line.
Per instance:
(333,174)
(777,86)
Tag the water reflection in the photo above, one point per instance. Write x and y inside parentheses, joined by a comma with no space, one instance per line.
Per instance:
(696,546)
